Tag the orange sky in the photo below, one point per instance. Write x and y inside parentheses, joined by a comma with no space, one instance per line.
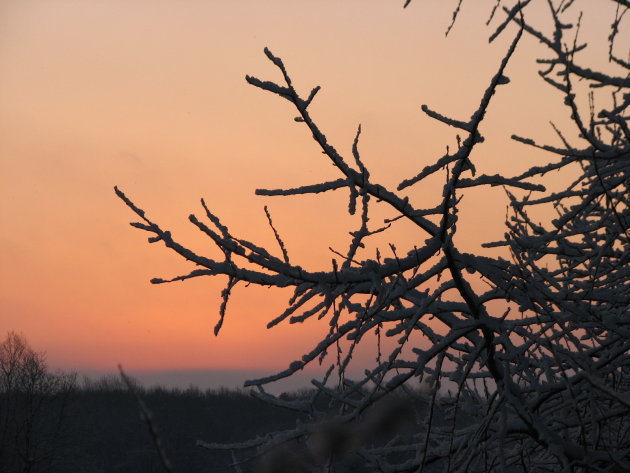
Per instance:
(151,96)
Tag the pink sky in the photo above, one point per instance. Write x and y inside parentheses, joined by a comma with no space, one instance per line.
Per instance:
(151,96)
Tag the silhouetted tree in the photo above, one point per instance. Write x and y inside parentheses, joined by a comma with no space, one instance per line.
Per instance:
(541,379)
(33,405)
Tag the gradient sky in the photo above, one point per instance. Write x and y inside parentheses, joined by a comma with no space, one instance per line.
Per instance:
(151,96)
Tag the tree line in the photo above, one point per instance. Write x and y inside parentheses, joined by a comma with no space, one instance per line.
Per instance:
(52,422)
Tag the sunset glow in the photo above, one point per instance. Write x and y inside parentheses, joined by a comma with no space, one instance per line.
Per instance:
(151,96)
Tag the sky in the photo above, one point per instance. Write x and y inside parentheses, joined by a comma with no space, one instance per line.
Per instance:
(151,96)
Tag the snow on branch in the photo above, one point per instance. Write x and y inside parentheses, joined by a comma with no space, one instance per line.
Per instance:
(523,360)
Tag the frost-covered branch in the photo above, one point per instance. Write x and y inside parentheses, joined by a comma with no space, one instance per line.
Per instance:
(532,347)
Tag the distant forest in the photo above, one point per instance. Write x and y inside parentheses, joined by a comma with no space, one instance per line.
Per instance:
(97,427)
(52,423)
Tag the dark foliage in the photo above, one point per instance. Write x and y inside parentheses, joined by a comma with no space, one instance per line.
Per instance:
(105,433)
